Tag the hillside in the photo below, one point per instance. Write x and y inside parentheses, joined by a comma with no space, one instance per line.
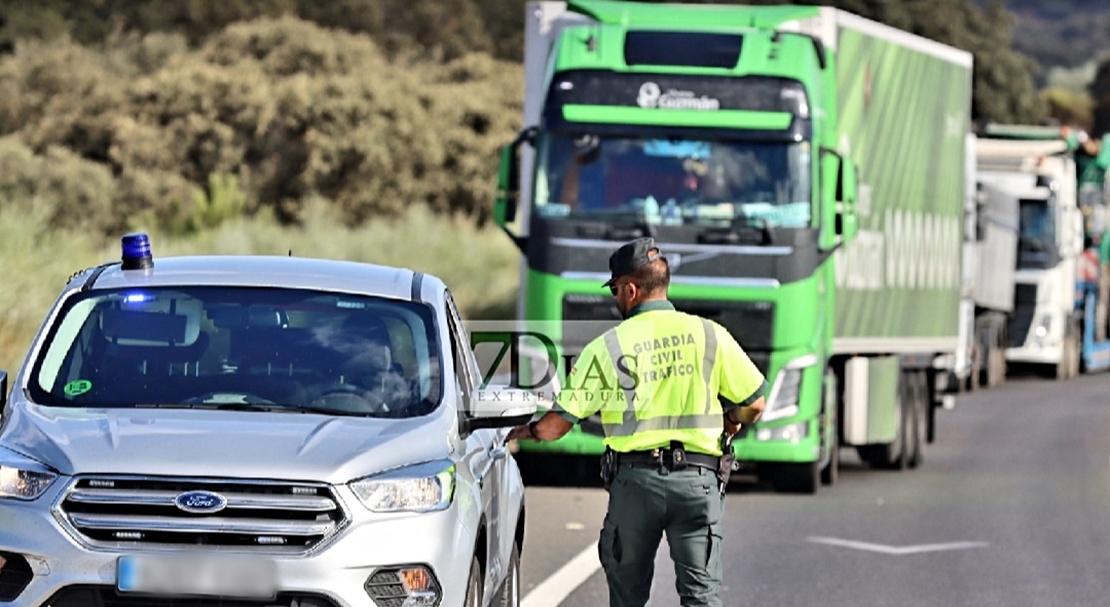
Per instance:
(1064,34)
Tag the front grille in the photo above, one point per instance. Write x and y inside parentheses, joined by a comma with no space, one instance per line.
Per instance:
(107,596)
(1025,295)
(752,323)
(1020,323)
(118,512)
(1025,302)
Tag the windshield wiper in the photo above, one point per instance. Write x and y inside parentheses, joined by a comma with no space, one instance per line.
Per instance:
(742,232)
(282,407)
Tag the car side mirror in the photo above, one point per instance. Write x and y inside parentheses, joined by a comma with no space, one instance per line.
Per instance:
(500,407)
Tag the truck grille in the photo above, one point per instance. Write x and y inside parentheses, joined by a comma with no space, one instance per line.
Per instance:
(285,518)
(752,323)
(1025,302)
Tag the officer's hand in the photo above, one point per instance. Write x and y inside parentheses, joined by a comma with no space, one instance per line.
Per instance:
(731,428)
(520,432)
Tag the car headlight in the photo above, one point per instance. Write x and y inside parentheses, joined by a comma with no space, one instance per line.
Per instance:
(421,488)
(783,400)
(23,484)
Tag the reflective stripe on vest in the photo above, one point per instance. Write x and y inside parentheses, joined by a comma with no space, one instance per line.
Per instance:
(629,425)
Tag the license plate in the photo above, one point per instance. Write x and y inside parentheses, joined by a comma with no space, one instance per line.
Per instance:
(182,575)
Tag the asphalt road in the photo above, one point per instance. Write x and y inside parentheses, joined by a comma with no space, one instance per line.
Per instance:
(1011,508)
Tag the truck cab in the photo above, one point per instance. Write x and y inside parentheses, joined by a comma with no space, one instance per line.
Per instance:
(1044,329)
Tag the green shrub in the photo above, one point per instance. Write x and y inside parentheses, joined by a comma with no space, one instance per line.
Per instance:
(480,265)
(290,110)
(69,191)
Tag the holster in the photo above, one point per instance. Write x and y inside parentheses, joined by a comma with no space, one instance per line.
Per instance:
(726,463)
(608,467)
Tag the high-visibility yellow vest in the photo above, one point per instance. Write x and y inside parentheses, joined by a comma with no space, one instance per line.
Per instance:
(655,378)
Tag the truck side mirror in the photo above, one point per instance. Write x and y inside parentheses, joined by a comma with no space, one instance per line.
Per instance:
(508,187)
(847,194)
(838,199)
(508,179)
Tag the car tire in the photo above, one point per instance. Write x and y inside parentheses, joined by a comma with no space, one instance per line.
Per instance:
(474,584)
(510,588)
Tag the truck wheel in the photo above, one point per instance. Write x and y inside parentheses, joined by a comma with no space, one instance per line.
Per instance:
(796,478)
(975,378)
(893,455)
(1068,365)
(920,419)
(831,472)
(1077,351)
(996,367)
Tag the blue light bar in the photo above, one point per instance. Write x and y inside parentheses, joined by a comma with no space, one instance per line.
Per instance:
(136,252)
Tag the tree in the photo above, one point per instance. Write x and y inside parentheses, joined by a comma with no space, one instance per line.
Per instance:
(1100,95)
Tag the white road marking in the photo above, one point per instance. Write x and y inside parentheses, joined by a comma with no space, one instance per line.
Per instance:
(896,550)
(554,589)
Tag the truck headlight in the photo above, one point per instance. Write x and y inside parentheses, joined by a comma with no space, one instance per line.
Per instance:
(783,401)
(23,484)
(789,432)
(421,488)
(1041,331)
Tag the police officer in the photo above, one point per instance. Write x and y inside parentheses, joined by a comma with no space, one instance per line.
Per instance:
(658,380)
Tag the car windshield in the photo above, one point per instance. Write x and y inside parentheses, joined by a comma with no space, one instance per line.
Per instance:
(242,348)
(674,181)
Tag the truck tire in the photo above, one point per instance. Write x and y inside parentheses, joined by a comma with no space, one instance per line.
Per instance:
(1068,366)
(975,377)
(996,360)
(920,402)
(796,478)
(831,472)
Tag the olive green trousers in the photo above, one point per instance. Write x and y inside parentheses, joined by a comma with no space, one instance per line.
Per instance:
(646,502)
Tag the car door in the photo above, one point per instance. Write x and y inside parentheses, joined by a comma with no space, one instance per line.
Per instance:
(486,453)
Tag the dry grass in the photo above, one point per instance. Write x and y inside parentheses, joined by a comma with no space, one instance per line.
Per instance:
(479,265)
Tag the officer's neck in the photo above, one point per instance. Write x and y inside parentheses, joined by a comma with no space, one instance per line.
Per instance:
(650,304)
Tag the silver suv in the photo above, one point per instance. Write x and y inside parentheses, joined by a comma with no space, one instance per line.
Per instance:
(256,432)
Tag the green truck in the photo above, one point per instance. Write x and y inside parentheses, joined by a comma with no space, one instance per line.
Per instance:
(803,169)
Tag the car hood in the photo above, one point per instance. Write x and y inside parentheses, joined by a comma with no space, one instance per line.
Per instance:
(229,444)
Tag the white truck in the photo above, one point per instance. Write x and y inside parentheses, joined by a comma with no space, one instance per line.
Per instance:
(991,224)
(1039,170)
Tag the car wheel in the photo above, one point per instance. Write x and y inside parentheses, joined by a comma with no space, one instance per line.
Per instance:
(510,589)
(474,584)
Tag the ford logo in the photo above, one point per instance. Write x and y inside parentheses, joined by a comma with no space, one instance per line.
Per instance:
(200,502)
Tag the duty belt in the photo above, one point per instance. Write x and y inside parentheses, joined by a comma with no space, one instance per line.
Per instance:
(665,458)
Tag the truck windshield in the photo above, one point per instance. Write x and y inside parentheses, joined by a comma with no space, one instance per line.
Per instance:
(673,181)
(1037,239)
(241,348)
